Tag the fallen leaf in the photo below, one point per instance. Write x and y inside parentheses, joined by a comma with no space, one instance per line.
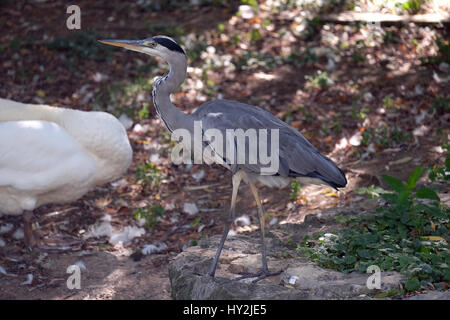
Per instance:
(400,161)
(331,194)
(434,238)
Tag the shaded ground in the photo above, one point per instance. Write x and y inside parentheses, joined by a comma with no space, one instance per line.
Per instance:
(351,70)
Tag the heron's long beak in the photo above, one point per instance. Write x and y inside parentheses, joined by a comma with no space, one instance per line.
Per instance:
(135,45)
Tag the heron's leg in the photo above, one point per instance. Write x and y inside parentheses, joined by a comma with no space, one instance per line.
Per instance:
(265,270)
(262,224)
(237,177)
(31,233)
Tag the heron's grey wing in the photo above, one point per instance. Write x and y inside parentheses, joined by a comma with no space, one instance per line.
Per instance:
(236,153)
(297,156)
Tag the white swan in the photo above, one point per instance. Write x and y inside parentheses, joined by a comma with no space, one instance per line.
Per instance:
(55,155)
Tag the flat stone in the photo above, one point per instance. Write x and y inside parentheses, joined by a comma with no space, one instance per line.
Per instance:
(189,279)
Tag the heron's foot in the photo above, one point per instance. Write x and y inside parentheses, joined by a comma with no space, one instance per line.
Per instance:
(259,276)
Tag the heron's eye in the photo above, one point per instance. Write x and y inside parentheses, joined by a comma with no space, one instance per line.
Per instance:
(153,44)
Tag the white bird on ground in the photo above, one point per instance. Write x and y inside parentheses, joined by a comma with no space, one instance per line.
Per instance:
(55,155)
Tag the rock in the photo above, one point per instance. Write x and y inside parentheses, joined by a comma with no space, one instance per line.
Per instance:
(368,97)
(5,228)
(246,12)
(444,67)
(190,208)
(432,295)
(418,90)
(189,279)
(199,175)
(18,234)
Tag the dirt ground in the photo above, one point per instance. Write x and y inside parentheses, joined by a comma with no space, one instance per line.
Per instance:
(121,271)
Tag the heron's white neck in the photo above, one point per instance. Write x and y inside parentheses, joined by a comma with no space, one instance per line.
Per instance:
(171,116)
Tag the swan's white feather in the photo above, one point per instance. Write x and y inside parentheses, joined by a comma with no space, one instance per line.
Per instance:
(56,155)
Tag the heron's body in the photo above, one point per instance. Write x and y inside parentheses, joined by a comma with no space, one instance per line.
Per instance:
(56,155)
(297,157)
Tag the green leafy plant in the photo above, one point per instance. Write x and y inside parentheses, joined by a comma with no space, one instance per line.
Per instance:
(390,36)
(148,174)
(409,235)
(372,191)
(252,3)
(384,136)
(151,214)
(254,36)
(295,190)
(312,29)
(196,221)
(441,105)
(388,102)
(320,80)
(144,112)
(441,172)
(443,54)
(127,97)
(413,6)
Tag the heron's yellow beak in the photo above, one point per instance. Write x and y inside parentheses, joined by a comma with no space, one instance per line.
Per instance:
(135,45)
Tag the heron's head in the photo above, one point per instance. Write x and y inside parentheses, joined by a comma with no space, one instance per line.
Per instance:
(159,46)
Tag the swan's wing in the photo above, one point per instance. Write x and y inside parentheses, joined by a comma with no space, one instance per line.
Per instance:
(40,156)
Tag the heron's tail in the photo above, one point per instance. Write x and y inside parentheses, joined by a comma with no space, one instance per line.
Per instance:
(327,171)
(330,173)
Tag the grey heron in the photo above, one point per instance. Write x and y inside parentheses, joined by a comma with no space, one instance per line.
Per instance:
(298,158)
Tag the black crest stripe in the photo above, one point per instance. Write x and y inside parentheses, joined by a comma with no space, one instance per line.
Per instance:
(169,44)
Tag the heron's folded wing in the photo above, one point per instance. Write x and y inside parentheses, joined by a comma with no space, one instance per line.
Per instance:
(297,156)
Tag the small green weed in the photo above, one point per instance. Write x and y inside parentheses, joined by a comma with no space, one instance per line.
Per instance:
(295,190)
(372,191)
(321,80)
(151,214)
(149,175)
(441,105)
(441,172)
(443,54)
(384,137)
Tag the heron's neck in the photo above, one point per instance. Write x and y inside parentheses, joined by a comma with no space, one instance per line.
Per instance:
(171,116)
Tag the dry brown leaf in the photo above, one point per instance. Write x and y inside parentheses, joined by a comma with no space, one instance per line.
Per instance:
(400,161)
